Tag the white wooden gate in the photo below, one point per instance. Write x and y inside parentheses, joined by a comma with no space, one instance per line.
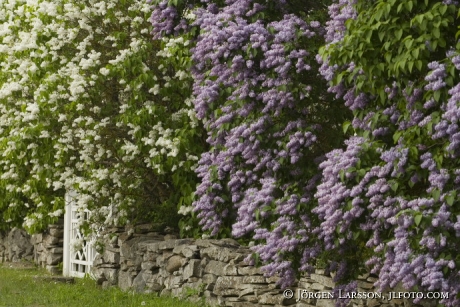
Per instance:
(77,262)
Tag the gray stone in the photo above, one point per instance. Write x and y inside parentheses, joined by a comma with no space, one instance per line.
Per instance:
(148,266)
(273,279)
(112,275)
(171,236)
(144,246)
(249,270)
(39,247)
(173,282)
(156,287)
(273,298)
(228,285)
(56,232)
(174,263)
(145,228)
(53,259)
(325,303)
(319,271)
(56,250)
(254,280)
(193,269)
(111,256)
(327,281)
(125,280)
(139,283)
(221,254)
(98,275)
(152,247)
(124,237)
(255,287)
(50,240)
(246,292)
(209,278)
(53,269)
(19,246)
(317,286)
(36,238)
(127,249)
(215,267)
(365,285)
(230,269)
(187,251)
(170,244)
(150,256)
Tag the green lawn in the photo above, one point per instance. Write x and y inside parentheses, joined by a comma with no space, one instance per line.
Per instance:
(21,287)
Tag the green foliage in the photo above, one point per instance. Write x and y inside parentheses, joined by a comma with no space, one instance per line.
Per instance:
(89,102)
(388,54)
(393,41)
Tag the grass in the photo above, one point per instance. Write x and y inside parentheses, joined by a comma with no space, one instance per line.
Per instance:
(21,288)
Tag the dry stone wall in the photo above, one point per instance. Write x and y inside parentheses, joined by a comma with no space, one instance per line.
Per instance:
(48,247)
(213,271)
(15,246)
(45,249)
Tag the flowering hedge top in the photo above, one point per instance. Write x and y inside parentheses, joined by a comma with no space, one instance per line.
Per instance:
(395,186)
(269,122)
(89,102)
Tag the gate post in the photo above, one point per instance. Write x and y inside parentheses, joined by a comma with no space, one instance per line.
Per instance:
(77,263)
(69,196)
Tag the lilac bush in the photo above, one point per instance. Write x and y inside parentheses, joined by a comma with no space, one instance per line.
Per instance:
(277,171)
(268,118)
(393,190)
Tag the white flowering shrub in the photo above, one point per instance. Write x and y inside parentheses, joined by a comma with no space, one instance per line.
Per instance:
(89,102)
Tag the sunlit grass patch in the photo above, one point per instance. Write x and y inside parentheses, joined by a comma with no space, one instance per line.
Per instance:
(21,287)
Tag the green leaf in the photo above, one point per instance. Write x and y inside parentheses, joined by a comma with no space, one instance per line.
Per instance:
(410,64)
(396,136)
(409,5)
(378,15)
(443,9)
(418,219)
(408,43)
(398,34)
(339,78)
(345,126)
(437,95)
(450,199)
(436,194)
(356,235)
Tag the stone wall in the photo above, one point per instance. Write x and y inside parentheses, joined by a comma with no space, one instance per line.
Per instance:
(48,247)
(45,249)
(145,259)
(213,271)
(15,246)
